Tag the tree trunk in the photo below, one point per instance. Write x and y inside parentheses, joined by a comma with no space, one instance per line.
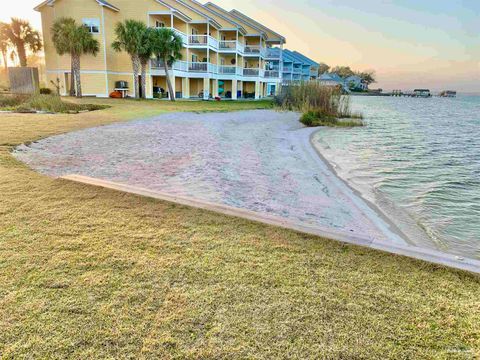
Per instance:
(78,82)
(72,75)
(144,79)
(22,55)
(136,70)
(169,81)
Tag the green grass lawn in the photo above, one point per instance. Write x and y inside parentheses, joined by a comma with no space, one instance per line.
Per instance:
(87,272)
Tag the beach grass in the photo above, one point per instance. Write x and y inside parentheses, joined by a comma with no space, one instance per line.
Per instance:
(321,105)
(87,272)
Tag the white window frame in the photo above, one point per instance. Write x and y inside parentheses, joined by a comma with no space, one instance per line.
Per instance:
(194,58)
(92,24)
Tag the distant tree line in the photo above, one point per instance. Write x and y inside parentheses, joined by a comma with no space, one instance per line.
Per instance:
(368,76)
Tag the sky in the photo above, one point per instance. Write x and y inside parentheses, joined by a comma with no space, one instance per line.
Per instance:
(409,43)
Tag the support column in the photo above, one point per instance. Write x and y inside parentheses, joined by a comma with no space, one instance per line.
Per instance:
(257,90)
(234,89)
(206,88)
(186,87)
(172,77)
(215,88)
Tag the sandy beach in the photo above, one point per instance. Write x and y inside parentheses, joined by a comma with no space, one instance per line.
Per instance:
(261,161)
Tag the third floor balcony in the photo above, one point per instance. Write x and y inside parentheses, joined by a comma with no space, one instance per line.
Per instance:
(255,50)
(202,41)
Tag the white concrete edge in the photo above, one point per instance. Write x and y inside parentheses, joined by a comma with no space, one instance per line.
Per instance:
(415,252)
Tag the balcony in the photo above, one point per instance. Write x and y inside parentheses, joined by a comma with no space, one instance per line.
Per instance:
(202,41)
(202,67)
(274,53)
(255,72)
(272,74)
(306,71)
(255,50)
(230,46)
(198,67)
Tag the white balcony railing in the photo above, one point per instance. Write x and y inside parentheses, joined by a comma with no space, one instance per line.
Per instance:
(202,67)
(255,50)
(275,74)
(178,65)
(227,70)
(254,72)
(273,53)
(231,45)
(228,45)
(202,40)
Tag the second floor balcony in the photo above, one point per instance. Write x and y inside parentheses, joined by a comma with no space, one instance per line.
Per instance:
(272,74)
(255,72)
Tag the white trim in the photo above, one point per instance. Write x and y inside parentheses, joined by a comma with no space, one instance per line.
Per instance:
(105,52)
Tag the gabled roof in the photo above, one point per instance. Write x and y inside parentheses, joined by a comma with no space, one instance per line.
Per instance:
(228,19)
(100,2)
(217,8)
(176,12)
(308,60)
(291,57)
(185,5)
(279,37)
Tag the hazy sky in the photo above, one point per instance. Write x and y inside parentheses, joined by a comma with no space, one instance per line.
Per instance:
(410,43)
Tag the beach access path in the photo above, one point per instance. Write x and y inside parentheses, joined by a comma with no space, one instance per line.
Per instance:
(261,161)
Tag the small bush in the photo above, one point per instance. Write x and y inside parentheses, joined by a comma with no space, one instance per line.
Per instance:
(11,101)
(41,102)
(321,105)
(314,118)
(53,103)
(45,91)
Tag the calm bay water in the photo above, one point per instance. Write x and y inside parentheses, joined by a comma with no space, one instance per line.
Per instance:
(418,160)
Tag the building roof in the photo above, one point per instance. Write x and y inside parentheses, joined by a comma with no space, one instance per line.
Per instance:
(184,5)
(228,19)
(100,2)
(291,57)
(219,9)
(276,36)
(308,60)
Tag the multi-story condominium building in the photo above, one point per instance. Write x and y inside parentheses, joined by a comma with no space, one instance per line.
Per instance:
(225,53)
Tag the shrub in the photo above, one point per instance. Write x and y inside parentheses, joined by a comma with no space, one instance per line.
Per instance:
(45,91)
(10,101)
(40,102)
(53,103)
(314,118)
(316,102)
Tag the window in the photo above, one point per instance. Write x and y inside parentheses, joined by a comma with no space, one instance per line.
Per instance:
(93,25)
(194,58)
(159,24)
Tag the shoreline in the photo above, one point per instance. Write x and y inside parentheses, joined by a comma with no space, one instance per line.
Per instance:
(381,233)
(412,249)
(392,226)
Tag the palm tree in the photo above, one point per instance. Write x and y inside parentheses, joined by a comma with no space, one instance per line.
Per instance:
(4,45)
(70,38)
(166,45)
(131,37)
(145,55)
(21,35)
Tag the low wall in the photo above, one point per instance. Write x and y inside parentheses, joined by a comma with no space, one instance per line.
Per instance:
(23,80)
